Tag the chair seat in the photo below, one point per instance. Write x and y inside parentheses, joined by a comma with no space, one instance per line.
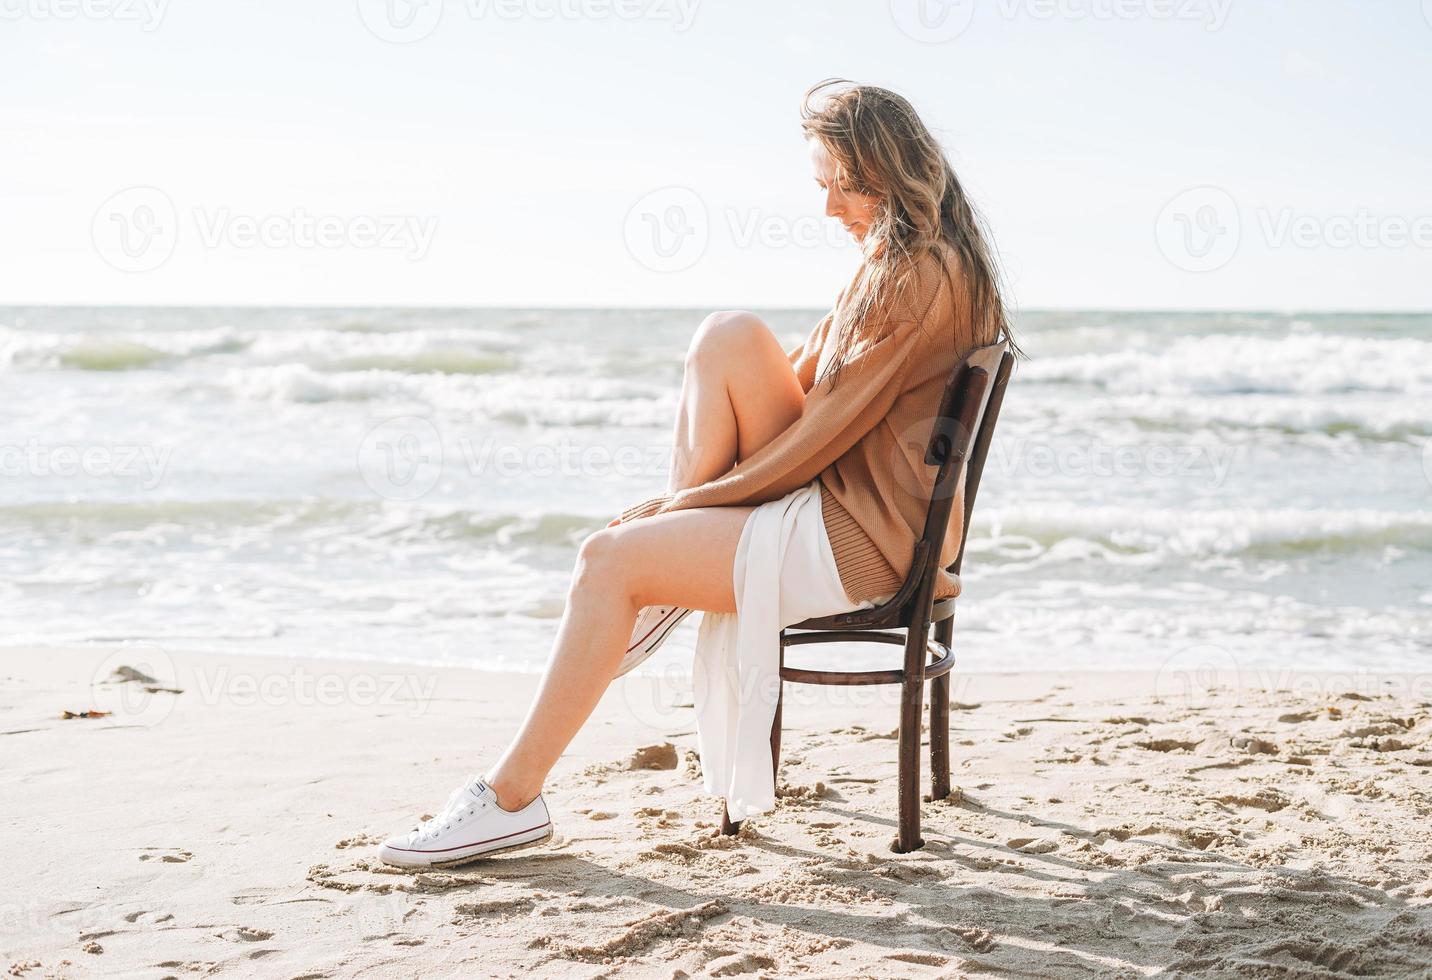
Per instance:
(893,613)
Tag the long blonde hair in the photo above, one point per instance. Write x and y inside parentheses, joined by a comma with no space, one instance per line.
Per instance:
(882,148)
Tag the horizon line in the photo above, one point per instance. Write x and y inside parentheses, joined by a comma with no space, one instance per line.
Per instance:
(587,308)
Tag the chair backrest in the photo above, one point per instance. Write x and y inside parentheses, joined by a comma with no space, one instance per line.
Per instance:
(958,445)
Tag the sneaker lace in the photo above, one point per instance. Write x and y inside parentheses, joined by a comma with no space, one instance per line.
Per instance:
(452,812)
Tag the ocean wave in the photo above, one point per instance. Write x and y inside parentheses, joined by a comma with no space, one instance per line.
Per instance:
(304,384)
(1010,533)
(1140,535)
(1231,364)
(23,350)
(110,355)
(112,514)
(327,520)
(535,401)
(421,351)
(431,362)
(1144,536)
(1406,420)
(1375,417)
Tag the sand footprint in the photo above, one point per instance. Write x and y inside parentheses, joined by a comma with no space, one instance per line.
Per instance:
(739,963)
(659,756)
(1032,845)
(499,908)
(196,967)
(979,940)
(1168,745)
(922,959)
(158,917)
(643,933)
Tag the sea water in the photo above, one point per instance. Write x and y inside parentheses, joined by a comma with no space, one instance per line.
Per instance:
(413,485)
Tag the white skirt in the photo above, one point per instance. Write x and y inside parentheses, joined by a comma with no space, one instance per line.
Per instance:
(784,573)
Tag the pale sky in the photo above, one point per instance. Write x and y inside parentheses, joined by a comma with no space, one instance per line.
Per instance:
(1169,154)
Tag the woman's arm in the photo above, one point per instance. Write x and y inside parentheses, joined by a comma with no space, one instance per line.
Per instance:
(806,355)
(804,358)
(911,345)
(829,425)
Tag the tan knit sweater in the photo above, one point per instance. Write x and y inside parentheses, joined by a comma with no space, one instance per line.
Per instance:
(865,440)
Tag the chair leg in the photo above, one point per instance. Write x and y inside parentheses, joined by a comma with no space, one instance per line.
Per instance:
(776,740)
(912,690)
(940,737)
(729,827)
(940,722)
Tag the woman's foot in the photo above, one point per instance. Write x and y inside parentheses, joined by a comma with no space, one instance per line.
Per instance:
(653,625)
(469,826)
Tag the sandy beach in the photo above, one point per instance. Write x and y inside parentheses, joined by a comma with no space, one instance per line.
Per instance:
(1112,824)
(333,336)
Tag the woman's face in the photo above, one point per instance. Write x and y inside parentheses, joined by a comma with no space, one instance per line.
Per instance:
(855,210)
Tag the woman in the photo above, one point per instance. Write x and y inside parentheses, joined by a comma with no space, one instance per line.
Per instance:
(797,486)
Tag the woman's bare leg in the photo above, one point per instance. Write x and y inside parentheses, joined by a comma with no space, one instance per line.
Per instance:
(739,393)
(683,558)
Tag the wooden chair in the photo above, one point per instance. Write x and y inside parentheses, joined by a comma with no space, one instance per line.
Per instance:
(959,442)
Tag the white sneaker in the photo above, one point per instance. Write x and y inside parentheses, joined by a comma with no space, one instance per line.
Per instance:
(653,625)
(470,825)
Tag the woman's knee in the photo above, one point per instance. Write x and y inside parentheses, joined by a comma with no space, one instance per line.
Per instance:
(726,333)
(599,561)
